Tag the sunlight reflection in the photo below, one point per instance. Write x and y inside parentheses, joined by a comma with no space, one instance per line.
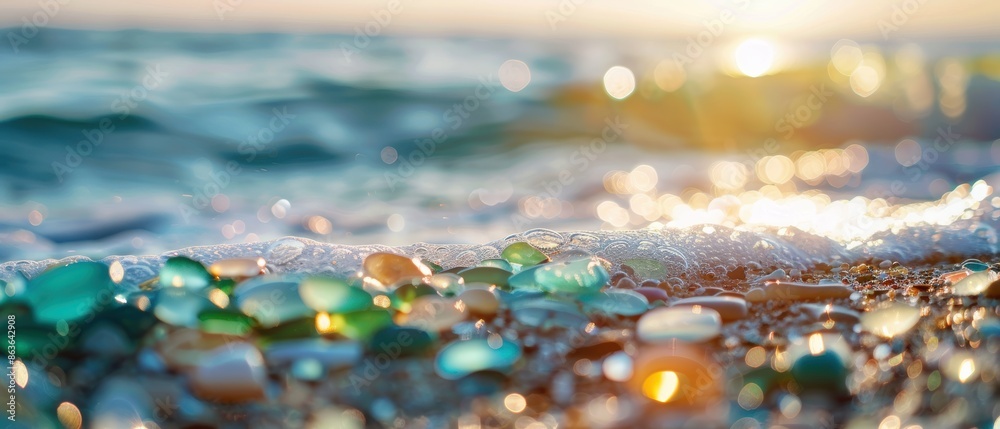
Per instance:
(619,82)
(754,57)
(661,386)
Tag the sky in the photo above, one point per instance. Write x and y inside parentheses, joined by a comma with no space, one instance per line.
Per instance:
(912,20)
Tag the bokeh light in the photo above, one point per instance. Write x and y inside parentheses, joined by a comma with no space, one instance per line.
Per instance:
(619,82)
(754,57)
(661,386)
(514,75)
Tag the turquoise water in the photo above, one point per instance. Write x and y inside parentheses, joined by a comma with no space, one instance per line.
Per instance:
(141,142)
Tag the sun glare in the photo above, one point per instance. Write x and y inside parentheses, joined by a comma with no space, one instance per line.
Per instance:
(661,386)
(754,57)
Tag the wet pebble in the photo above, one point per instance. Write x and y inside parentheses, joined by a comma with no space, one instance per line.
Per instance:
(975,265)
(645,268)
(69,292)
(331,354)
(625,283)
(434,313)
(800,291)
(232,373)
(183,349)
(396,341)
(890,319)
(488,275)
(546,313)
(358,325)
(575,276)
(461,358)
(621,302)
(333,295)
(975,283)
(729,308)
(180,306)
(271,299)
(578,275)
(836,313)
(180,271)
(710,291)
(496,263)
(692,324)
(775,275)
(480,302)
(238,268)
(653,294)
(523,254)
(389,268)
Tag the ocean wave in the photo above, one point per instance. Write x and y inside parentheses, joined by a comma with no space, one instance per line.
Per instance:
(683,251)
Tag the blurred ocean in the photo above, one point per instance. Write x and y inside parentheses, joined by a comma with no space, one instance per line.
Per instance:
(135,142)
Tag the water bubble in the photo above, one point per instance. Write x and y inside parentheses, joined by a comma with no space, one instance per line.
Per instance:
(544,239)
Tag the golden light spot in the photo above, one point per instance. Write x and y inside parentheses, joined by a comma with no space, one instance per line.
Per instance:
(810,166)
(790,406)
(953,80)
(816,344)
(219,298)
(20,373)
(69,416)
(775,170)
(865,80)
(643,178)
(780,361)
(980,190)
(890,422)
(319,225)
(661,386)
(143,303)
(755,357)
(966,370)
(611,212)
(669,75)
(729,175)
(846,56)
(857,157)
(424,269)
(515,402)
(754,57)
(750,397)
(619,82)
(469,421)
(890,320)
(323,323)
(116,271)
(382,301)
